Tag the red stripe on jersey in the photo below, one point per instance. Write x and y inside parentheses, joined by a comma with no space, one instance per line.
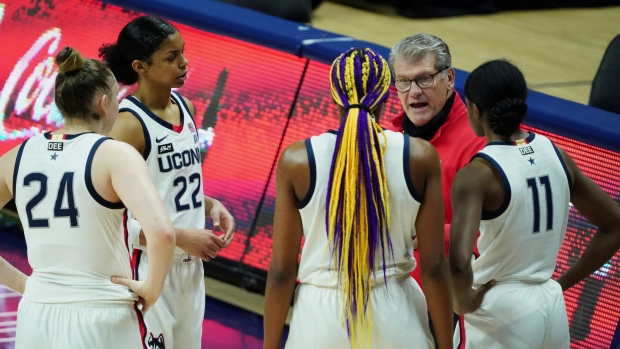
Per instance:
(133,256)
(462,332)
(135,260)
(177,128)
(126,229)
(141,325)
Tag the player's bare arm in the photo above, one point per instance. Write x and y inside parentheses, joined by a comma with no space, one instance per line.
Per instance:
(12,277)
(599,209)
(198,242)
(7,166)
(208,244)
(475,186)
(120,174)
(214,209)
(222,219)
(287,233)
(9,275)
(425,172)
(201,243)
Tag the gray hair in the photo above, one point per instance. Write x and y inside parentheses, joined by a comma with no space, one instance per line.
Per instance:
(416,47)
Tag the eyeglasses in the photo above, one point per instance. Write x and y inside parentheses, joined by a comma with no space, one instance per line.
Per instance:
(423,81)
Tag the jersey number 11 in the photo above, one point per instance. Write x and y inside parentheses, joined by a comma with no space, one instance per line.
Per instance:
(532,184)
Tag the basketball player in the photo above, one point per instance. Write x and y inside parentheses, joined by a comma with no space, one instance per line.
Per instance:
(159,124)
(358,196)
(68,186)
(516,190)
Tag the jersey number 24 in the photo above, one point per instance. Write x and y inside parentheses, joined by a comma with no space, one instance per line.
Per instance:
(65,188)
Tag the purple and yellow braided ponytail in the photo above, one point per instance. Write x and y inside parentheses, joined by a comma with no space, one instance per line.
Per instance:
(358,212)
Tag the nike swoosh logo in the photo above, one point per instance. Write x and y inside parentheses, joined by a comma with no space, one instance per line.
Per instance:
(157,140)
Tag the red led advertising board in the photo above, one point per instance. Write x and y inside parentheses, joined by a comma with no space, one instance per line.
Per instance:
(251,102)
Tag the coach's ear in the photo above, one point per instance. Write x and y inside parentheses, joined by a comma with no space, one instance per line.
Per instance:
(450,76)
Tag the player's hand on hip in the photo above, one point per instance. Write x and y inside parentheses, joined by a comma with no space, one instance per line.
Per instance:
(477,295)
(474,300)
(146,297)
(223,220)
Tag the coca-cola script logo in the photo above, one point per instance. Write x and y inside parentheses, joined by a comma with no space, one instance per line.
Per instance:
(36,92)
(27,97)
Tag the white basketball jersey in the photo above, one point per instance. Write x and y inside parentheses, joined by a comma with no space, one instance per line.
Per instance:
(522,239)
(314,267)
(74,246)
(172,154)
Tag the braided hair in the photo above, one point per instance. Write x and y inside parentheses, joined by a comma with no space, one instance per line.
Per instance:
(358,211)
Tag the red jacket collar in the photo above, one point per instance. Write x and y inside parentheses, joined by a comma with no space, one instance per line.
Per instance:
(458,107)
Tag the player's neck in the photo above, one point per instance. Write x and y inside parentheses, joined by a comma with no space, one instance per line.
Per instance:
(72,128)
(519,134)
(152,97)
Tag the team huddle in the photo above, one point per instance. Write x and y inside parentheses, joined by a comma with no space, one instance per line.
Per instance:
(114,213)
